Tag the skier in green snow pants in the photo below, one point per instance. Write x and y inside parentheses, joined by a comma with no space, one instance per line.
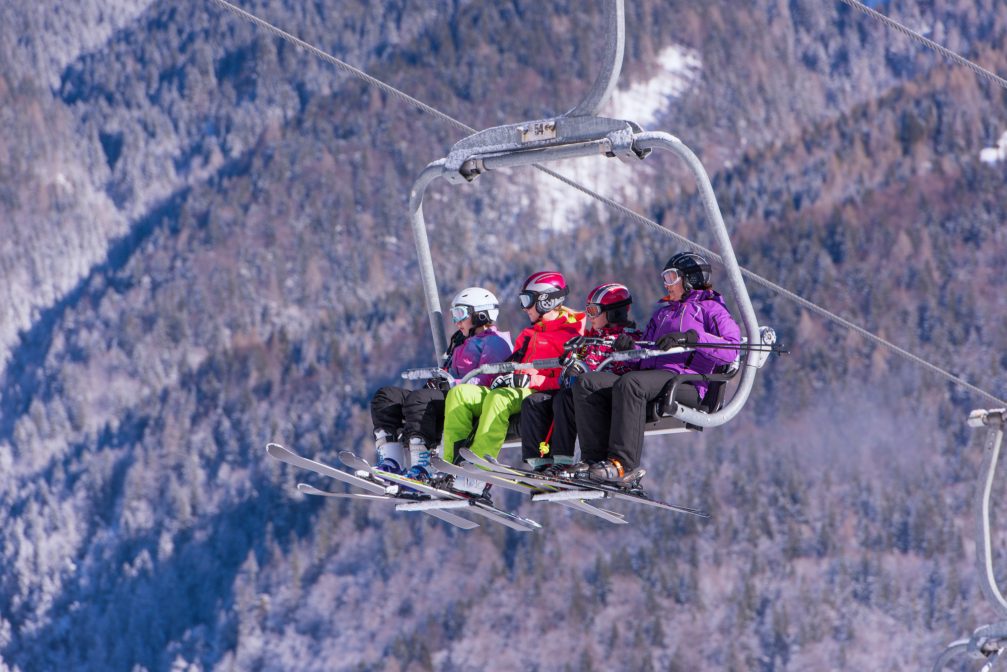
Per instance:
(552,326)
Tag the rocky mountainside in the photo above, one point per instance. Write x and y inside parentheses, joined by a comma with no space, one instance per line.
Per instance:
(206,248)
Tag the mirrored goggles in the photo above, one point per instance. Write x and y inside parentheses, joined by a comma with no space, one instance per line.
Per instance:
(459,313)
(527,299)
(594,309)
(670,277)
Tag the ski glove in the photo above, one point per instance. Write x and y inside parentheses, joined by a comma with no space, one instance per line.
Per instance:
(676,338)
(624,342)
(575,343)
(573,370)
(510,380)
(438,384)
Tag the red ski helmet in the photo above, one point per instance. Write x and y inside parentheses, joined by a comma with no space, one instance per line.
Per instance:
(609,296)
(545,290)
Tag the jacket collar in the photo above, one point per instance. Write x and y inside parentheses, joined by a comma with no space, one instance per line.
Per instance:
(565,318)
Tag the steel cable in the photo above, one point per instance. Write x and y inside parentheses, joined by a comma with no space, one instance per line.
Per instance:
(930,44)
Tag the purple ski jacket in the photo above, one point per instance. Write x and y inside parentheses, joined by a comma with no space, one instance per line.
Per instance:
(489,347)
(705,312)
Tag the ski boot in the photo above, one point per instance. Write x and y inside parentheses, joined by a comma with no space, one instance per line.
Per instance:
(558,469)
(555,470)
(611,472)
(579,470)
(390,457)
(419,455)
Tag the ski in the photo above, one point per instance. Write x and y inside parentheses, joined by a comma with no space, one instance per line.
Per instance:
(288,456)
(612,491)
(456,500)
(354,461)
(488,477)
(312,490)
(524,487)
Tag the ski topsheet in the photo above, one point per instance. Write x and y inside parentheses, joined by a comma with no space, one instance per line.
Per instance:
(288,456)
(611,491)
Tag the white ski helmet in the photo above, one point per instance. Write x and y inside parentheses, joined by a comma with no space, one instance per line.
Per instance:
(480,303)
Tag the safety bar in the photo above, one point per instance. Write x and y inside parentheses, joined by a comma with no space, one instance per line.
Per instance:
(426,373)
(511,367)
(643,353)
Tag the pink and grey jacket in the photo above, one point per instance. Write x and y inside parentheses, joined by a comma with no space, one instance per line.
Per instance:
(488,347)
(704,312)
(594,355)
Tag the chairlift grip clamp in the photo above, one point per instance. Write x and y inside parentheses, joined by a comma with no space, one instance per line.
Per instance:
(621,146)
(988,417)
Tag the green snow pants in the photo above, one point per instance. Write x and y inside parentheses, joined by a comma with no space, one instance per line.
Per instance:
(465,403)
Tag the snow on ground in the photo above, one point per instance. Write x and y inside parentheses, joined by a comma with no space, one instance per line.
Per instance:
(559,206)
(992,155)
(643,101)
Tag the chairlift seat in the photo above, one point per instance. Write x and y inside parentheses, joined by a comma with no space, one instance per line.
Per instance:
(660,412)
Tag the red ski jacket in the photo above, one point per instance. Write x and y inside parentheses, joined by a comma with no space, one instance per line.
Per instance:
(545,340)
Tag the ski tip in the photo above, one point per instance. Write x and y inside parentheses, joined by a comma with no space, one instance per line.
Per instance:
(275,448)
(309,489)
(350,459)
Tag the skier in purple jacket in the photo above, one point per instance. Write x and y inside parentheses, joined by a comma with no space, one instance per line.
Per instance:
(416,417)
(611,410)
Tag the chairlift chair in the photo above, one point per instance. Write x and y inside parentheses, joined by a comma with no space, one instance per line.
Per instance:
(580,133)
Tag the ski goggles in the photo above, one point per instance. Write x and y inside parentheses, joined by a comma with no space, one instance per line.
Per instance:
(527,299)
(670,277)
(594,309)
(459,313)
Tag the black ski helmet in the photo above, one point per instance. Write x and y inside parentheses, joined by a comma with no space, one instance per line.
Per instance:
(695,271)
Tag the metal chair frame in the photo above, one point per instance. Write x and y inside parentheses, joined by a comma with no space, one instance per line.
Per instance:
(580,133)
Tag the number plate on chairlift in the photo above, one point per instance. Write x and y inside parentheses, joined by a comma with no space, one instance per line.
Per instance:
(539,130)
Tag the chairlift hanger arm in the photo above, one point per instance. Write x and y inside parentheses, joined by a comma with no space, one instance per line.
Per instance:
(993,420)
(988,641)
(608,76)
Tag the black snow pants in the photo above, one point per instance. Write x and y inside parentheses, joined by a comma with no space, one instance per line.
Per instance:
(541,411)
(409,413)
(611,412)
